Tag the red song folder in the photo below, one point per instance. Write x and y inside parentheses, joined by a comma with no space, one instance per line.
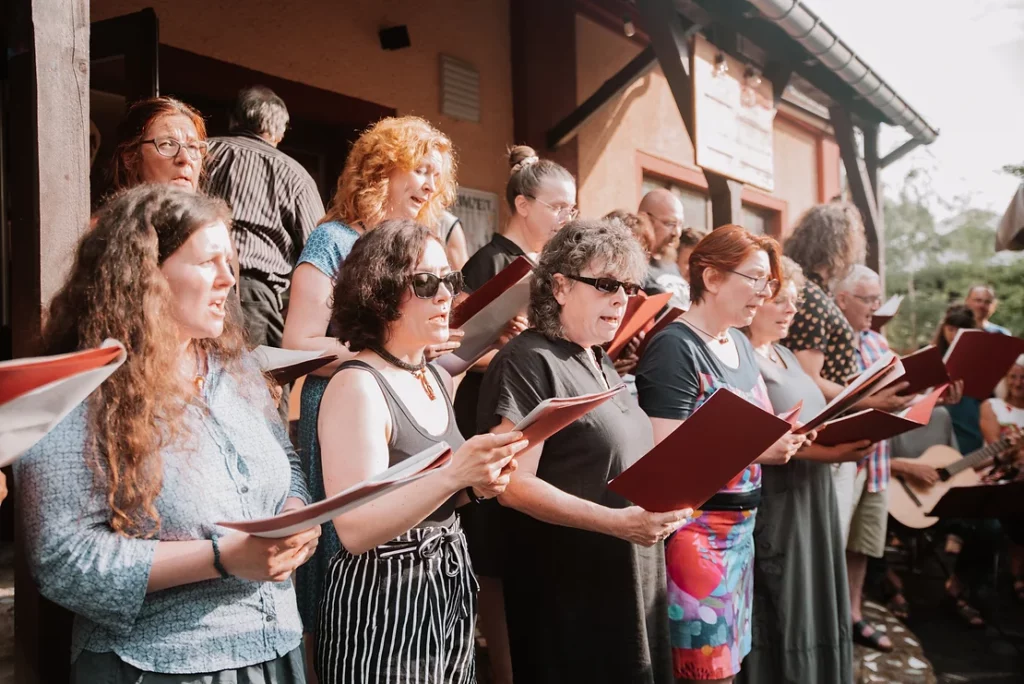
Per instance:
(886,312)
(551,415)
(887,370)
(639,312)
(411,469)
(878,425)
(923,369)
(490,291)
(288,365)
(671,315)
(20,376)
(701,456)
(981,359)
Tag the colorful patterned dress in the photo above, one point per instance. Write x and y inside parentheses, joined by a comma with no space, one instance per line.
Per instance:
(710,561)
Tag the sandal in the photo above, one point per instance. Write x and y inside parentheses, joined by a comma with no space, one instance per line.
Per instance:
(866,635)
(899,606)
(965,611)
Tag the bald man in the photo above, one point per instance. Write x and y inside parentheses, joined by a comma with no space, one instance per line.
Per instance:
(981,299)
(666,214)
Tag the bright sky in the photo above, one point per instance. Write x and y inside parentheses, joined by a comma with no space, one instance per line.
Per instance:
(961,66)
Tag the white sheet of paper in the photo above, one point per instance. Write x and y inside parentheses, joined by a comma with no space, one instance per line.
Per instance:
(26,419)
(891,306)
(895,375)
(272,358)
(483,329)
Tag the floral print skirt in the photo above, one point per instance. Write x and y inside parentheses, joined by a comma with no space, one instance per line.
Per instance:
(709,566)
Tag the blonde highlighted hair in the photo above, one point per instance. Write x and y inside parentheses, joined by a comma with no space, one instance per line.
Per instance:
(394,143)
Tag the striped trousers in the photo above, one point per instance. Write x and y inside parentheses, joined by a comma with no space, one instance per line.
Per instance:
(402,612)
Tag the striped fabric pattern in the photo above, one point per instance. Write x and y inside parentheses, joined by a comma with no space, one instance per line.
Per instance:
(274,201)
(872,347)
(403,612)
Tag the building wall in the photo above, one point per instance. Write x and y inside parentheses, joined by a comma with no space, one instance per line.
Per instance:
(333,45)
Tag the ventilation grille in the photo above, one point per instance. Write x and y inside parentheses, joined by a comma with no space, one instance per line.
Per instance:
(460,89)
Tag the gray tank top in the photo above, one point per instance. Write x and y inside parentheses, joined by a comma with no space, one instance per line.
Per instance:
(408,437)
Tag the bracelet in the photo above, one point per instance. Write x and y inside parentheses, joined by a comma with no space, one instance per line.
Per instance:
(473,498)
(224,574)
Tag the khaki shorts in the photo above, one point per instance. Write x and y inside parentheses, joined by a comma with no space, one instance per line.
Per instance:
(844,477)
(870,518)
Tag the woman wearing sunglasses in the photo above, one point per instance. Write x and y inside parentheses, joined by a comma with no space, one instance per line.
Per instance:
(584,574)
(400,597)
(710,561)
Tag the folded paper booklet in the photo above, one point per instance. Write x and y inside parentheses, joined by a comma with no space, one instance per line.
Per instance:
(411,469)
(886,312)
(981,359)
(923,370)
(887,370)
(288,365)
(702,455)
(876,425)
(639,312)
(551,415)
(484,314)
(37,393)
(668,317)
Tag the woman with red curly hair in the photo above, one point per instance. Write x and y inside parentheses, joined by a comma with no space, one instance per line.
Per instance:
(399,168)
(710,561)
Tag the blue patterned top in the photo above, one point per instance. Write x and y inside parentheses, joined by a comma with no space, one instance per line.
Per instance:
(235,462)
(326,249)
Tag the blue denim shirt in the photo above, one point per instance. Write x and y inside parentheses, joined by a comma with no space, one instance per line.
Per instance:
(234,462)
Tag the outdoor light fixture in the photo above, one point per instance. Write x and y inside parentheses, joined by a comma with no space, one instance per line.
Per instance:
(751,81)
(721,66)
(627,26)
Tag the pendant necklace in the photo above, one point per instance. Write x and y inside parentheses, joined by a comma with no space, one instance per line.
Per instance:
(418,370)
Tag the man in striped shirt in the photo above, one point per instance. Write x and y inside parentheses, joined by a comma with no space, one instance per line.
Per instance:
(275,205)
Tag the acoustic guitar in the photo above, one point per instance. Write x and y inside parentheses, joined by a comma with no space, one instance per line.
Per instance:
(909,503)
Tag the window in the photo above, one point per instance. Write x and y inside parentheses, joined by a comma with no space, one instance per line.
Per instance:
(696,205)
(758,220)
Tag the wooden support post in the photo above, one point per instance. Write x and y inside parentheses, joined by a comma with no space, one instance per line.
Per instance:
(667,32)
(49,208)
(862,188)
(726,199)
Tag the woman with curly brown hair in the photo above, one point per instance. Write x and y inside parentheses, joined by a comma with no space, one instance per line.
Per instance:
(121,500)
(399,599)
(398,168)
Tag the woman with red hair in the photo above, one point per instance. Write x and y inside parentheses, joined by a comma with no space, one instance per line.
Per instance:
(710,561)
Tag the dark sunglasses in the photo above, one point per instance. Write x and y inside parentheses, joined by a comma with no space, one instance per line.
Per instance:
(606,285)
(425,285)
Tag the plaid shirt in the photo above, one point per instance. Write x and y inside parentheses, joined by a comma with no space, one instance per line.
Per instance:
(870,347)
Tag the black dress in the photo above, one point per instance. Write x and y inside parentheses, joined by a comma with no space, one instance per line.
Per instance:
(581,606)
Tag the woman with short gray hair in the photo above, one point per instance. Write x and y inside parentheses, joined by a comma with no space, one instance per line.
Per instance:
(585,587)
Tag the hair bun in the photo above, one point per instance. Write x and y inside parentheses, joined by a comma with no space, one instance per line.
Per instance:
(521,156)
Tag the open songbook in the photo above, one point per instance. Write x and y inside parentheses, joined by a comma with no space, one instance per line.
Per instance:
(923,370)
(411,469)
(639,312)
(693,463)
(875,425)
(37,393)
(886,312)
(288,365)
(551,415)
(981,359)
(880,375)
(483,315)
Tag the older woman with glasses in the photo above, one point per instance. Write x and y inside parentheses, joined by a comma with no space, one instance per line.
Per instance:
(710,561)
(399,600)
(801,613)
(584,576)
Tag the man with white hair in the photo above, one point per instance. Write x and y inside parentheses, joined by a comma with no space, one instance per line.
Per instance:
(862,488)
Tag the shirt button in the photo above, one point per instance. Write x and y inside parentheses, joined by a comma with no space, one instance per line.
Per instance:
(270,618)
(245,489)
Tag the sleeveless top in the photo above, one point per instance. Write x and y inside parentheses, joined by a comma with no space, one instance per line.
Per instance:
(1008,416)
(408,437)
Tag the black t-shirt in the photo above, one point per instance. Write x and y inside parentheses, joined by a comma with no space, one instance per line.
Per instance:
(488,261)
(665,277)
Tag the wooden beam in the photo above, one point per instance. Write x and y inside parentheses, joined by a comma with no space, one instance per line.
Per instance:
(900,152)
(668,34)
(636,69)
(726,199)
(49,209)
(861,186)
(779,73)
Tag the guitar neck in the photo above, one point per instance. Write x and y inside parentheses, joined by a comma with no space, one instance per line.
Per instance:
(978,457)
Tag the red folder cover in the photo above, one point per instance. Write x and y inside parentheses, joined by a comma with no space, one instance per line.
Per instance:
(882,373)
(639,312)
(886,312)
(551,415)
(489,291)
(286,524)
(287,374)
(701,456)
(671,315)
(924,369)
(21,376)
(878,425)
(981,359)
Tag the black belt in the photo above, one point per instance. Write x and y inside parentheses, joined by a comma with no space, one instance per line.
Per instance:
(733,501)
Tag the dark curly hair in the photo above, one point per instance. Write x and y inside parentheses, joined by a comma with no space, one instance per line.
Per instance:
(957,316)
(828,238)
(374,280)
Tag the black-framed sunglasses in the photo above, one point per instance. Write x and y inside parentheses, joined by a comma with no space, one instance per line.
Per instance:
(761,284)
(425,285)
(606,285)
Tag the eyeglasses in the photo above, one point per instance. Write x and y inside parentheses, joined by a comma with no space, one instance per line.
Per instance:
(169,147)
(671,224)
(563,213)
(606,285)
(870,301)
(761,284)
(426,285)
